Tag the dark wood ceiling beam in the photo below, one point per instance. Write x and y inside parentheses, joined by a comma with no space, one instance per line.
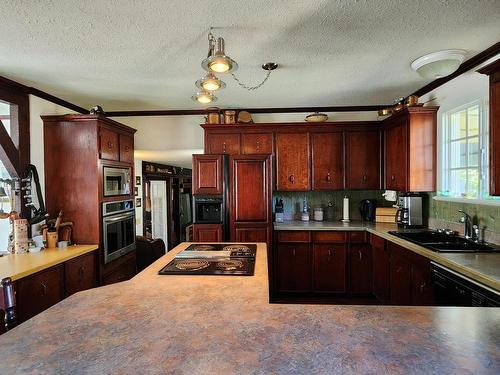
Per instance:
(191,112)
(9,154)
(20,88)
(464,67)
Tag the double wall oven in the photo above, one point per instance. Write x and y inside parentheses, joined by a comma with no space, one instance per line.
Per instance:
(118,228)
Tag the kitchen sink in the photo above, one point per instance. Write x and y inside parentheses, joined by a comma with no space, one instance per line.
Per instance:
(445,243)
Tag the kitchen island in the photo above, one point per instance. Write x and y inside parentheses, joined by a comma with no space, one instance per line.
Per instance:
(225,325)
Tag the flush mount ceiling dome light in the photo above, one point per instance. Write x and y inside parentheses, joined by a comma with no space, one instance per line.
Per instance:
(217,62)
(439,64)
(210,83)
(204,97)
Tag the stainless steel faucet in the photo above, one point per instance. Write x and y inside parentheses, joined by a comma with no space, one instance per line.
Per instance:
(470,231)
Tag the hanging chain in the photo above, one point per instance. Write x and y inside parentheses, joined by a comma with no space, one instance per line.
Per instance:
(250,88)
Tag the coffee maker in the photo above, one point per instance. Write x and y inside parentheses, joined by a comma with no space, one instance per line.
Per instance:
(409,213)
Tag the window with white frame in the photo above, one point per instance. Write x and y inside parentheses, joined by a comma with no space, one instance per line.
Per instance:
(464,152)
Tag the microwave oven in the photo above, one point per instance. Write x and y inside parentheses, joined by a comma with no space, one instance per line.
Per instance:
(117,181)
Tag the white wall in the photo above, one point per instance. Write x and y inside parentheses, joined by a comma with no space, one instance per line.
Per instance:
(40,107)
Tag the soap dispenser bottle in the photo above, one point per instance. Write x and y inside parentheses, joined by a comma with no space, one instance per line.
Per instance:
(305,211)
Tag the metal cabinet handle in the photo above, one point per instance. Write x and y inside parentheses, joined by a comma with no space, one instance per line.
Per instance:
(329,253)
(364,177)
(258,144)
(422,286)
(393,177)
(82,270)
(360,254)
(44,289)
(398,270)
(127,149)
(293,252)
(328,178)
(110,145)
(292,178)
(224,147)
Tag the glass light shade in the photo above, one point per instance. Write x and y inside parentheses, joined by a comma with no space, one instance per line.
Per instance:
(210,83)
(204,97)
(438,64)
(218,62)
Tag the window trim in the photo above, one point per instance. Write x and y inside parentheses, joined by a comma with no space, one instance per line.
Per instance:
(444,154)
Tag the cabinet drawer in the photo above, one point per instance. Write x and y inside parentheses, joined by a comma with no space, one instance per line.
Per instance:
(109,144)
(331,237)
(38,292)
(358,237)
(257,143)
(80,273)
(125,272)
(292,236)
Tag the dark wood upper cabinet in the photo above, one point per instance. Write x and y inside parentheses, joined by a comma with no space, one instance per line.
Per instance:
(222,143)
(395,155)
(327,161)
(126,148)
(493,71)
(292,162)
(329,267)
(207,175)
(257,143)
(109,144)
(363,151)
(250,188)
(410,149)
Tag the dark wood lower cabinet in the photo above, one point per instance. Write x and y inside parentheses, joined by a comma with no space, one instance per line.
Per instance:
(380,269)
(293,264)
(123,268)
(329,267)
(80,273)
(400,281)
(360,268)
(38,292)
(207,232)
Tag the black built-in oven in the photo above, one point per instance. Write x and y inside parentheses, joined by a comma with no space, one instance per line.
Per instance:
(118,228)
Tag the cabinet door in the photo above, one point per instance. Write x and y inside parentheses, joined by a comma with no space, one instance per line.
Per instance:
(207,174)
(421,283)
(327,161)
(126,148)
(38,292)
(292,162)
(329,267)
(294,268)
(363,160)
(207,232)
(360,268)
(250,188)
(80,273)
(381,270)
(225,143)
(395,156)
(256,143)
(109,144)
(400,280)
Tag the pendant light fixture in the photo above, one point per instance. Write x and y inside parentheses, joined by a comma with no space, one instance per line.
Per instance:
(217,62)
(204,97)
(210,83)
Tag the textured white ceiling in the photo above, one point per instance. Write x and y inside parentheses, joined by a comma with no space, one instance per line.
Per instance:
(127,55)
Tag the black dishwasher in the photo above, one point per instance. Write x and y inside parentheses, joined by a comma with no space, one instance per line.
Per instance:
(453,289)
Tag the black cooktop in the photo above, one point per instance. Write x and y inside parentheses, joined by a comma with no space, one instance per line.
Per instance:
(213,259)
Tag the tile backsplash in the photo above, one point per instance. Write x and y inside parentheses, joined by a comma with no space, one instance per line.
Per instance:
(444,214)
(293,202)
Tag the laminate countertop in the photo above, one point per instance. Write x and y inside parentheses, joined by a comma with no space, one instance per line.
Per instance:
(17,266)
(175,324)
(481,267)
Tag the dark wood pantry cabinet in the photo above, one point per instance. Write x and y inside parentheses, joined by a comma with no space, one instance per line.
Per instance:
(207,175)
